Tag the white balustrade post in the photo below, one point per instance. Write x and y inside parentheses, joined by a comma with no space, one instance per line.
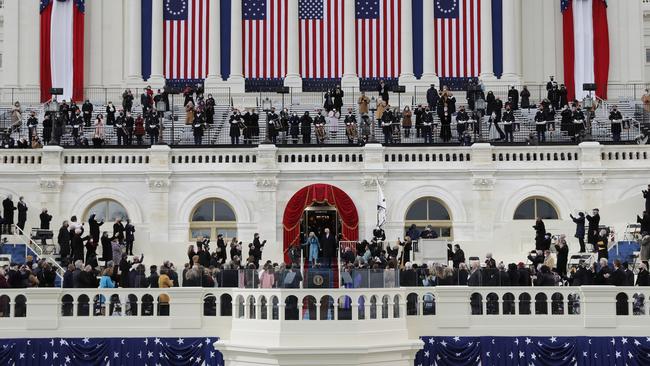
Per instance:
(185,307)
(453,307)
(43,308)
(214,48)
(598,306)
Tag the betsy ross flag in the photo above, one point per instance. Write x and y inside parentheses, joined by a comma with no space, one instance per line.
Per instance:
(457,39)
(265,38)
(379,42)
(586,46)
(321,38)
(185,35)
(62,48)
(381,206)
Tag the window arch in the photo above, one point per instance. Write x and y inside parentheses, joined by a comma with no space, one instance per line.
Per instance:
(107,210)
(534,207)
(212,217)
(430,211)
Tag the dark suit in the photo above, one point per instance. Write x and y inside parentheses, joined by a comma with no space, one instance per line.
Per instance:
(592,234)
(643,278)
(9,208)
(328,244)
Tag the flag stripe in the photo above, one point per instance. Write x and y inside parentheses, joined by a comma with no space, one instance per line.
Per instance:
(378,44)
(185,41)
(457,39)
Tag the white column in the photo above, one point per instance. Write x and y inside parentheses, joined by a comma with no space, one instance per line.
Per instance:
(510,48)
(94,53)
(428,62)
(214,52)
(29,68)
(157,80)
(487,65)
(236,79)
(11,41)
(406,75)
(293,79)
(135,43)
(350,77)
(635,42)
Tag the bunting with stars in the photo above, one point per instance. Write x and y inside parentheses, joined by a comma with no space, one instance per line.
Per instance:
(525,351)
(110,351)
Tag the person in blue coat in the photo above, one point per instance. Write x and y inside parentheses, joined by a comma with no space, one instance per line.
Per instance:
(314,246)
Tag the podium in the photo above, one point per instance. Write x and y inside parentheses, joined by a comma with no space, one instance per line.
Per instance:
(431,250)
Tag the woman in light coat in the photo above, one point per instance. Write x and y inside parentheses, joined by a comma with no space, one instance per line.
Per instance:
(314,246)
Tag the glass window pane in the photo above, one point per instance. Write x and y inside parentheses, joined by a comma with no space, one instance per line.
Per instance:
(418,210)
(525,211)
(223,212)
(227,233)
(200,232)
(437,211)
(116,210)
(445,232)
(99,209)
(204,212)
(545,210)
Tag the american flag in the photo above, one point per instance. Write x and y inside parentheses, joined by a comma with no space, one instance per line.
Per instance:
(185,35)
(321,38)
(378,46)
(457,38)
(265,38)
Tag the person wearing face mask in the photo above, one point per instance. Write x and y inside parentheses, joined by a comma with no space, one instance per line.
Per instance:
(508,121)
(110,114)
(209,109)
(235,122)
(305,127)
(540,124)
(616,118)
(284,125)
(351,130)
(578,122)
(445,123)
(294,127)
(120,129)
(427,126)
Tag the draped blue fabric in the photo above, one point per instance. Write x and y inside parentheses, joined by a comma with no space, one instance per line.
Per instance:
(113,351)
(525,351)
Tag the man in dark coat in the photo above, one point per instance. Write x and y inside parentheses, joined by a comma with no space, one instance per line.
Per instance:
(77,244)
(64,242)
(383,91)
(328,244)
(129,236)
(257,248)
(45,219)
(118,230)
(643,277)
(94,227)
(432,97)
(594,222)
(646,195)
(562,256)
(22,213)
(513,98)
(9,208)
(153,276)
(644,221)
(338,98)
(580,229)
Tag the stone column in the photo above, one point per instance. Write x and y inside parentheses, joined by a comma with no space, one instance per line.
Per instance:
(214,52)
(350,77)
(157,79)
(134,14)
(635,42)
(406,76)
(93,26)
(428,52)
(487,64)
(11,44)
(293,79)
(236,79)
(510,47)
(29,68)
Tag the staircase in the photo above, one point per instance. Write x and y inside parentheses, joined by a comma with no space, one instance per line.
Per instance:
(36,251)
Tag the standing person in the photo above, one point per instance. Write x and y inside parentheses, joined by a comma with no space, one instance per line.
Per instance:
(22,213)
(127,100)
(525,97)
(432,97)
(294,127)
(210,103)
(646,195)
(118,230)
(93,226)
(32,125)
(444,113)
(540,124)
(87,110)
(313,247)
(305,127)
(383,91)
(234,122)
(129,125)
(139,130)
(9,208)
(153,128)
(98,136)
(351,126)
(594,222)
(580,229)
(45,219)
(107,248)
(540,233)
(363,103)
(407,121)
(562,255)
(120,129)
(110,114)
(129,233)
(47,129)
(427,126)
(616,118)
(328,244)
(508,121)
(197,131)
(513,98)
(338,98)
(64,242)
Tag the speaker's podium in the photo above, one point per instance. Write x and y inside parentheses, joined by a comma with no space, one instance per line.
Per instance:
(434,250)
(319,278)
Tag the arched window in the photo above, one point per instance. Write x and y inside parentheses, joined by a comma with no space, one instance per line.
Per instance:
(429,211)
(107,210)
(212,217)
(535,207)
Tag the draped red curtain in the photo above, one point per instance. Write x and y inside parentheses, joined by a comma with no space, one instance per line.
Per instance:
(319,193)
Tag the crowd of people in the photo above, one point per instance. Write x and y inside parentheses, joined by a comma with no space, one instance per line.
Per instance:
(432,121)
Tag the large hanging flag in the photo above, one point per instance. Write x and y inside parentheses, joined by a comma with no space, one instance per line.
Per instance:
(62,48)
(185,37)
(321,39)
(379,44)
(457,38)
(265,38)
(586,46)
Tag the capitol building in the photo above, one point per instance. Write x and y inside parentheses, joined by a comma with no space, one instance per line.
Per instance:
(324,182)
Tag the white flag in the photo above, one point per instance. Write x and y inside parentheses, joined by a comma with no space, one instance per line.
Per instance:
(381,206)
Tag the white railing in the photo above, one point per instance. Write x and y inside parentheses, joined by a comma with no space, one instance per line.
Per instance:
(39,250)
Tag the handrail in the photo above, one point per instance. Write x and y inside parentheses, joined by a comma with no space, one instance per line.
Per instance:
(31,244)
